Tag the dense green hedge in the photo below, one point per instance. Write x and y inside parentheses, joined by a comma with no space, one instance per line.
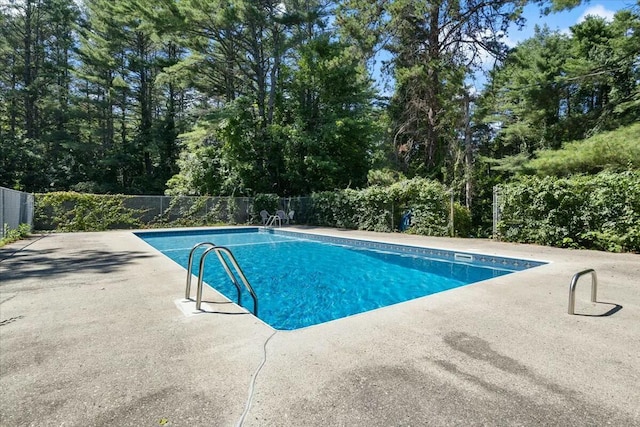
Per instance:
(375,208)
(379,208)
(596,212)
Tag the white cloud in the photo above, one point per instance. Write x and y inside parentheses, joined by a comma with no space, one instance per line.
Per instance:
(597,10)
(511,43)
(485,58)
(280,10)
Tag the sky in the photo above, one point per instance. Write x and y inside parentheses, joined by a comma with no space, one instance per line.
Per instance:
(560,21)
(563,20)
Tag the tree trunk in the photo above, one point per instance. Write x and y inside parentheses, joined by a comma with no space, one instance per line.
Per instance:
(274,73)
(29,103)
(433,148)
(468,153)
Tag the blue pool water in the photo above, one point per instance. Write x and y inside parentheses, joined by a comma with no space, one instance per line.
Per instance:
(301,281)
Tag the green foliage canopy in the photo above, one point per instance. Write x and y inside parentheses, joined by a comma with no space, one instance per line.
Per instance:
(595,212)
(616,151)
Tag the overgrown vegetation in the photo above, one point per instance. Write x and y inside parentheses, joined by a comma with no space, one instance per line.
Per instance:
(596,212)
(617,150)
(376,208)
(69,211)
(277,98)
(381,207)
(14,234)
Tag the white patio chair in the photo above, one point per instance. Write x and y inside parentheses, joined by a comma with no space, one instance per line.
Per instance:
(282,217)
(265,217)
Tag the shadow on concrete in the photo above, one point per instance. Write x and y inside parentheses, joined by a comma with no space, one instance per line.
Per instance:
(8,251)
(613,310)
(28,263)
(226,313)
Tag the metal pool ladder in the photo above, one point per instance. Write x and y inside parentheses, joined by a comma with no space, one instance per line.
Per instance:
(219,250)
(572,288)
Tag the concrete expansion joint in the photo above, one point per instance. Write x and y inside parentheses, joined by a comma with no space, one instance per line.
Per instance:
(252,384)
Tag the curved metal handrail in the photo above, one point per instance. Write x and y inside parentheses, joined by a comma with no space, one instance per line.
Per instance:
(218,250)
(272,221)
(187,293)
(572,288)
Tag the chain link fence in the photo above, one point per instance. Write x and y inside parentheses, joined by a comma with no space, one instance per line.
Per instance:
(91,212)
(230,210)
(167,209)
(16,208)
(153,211)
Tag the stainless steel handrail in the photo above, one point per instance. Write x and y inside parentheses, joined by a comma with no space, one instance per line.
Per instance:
(190,265)
(218,250)
(574,282)
(272,221)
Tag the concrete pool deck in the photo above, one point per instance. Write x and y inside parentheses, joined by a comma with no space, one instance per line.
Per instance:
(91,334)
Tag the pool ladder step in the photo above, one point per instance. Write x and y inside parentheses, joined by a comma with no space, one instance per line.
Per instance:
(219,250)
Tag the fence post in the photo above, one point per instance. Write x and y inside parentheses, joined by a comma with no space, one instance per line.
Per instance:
(30,209)
(451,216)
(496,211)
(393,211)
(2,207)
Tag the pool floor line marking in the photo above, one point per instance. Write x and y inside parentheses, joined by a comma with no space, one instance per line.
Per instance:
(232,245)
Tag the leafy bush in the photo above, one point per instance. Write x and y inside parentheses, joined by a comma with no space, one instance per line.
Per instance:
(375,208)
(597,212)
(195,211)
(14,234)
(612,151)
(334,208)
(69,211)
(378,208)
(429,202)
(461,220)
(266,202)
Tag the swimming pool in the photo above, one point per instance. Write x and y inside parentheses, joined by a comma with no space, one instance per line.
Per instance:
(304,279)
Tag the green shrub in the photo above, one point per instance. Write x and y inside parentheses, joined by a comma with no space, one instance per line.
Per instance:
(14,234)
(430,204)
(373,209)
(266,202)
(616,150)
(379,208)
(461,220)
(195,211)
(334,209)
(376,208)
(596,212)
(69,211)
